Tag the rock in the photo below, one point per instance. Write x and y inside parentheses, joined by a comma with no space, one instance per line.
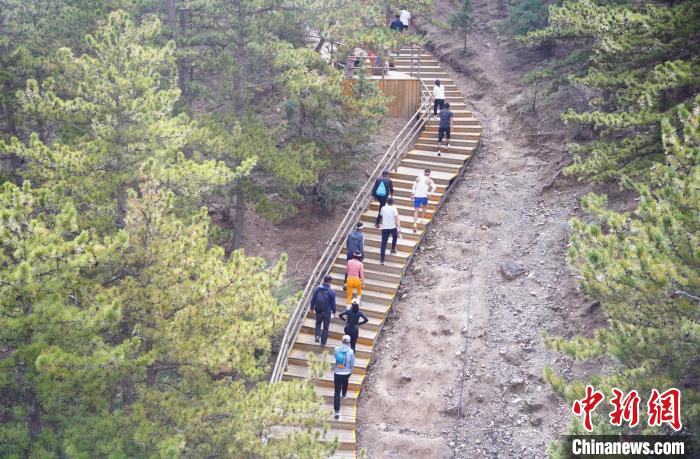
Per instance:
(530,407)
(452,444)
(405,379)
(382,426)
(480,398)
(441,317)
(452,410)
(510,270)
(517,384)
(536,421)
(465,330)
(403,297)
(446,331)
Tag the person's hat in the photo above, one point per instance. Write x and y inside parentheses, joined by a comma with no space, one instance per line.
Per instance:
(355,302)
(360,225)
(346,339)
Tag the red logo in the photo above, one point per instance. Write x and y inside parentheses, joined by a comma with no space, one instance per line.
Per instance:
(586,406)
(665,408)
(626,408)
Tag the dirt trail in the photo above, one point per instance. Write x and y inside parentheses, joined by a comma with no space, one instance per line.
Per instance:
(458,315)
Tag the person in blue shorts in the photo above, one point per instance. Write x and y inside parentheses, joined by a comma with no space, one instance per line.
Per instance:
(422,188)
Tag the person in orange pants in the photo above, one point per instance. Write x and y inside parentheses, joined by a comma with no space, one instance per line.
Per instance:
(356,276)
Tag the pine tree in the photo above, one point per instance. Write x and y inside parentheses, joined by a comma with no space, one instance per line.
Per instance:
(107,112)
(644,268)
(640,66)
(155,346)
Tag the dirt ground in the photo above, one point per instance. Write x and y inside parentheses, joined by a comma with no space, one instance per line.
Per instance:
(458,318)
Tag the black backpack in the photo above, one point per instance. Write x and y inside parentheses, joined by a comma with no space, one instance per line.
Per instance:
(323,299)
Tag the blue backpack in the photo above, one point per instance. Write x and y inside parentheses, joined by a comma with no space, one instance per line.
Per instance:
(341,357)
(381,189)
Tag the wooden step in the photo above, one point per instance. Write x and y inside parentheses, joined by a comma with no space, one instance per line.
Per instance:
(404,209)
(458,134)
(435,166)
(369,295)
(403,187)
(301,357)
(453,148)
(375,239)
(348,414)
(306,342)
(372,252)
(336,330)
(456,129)
(457,122)
(374,322)
(407,204)
(410,173)
(406,225)
(345,437)
(446,157)
(429,138)
(339,269)
(300,372)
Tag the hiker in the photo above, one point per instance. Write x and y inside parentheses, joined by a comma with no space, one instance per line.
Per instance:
(352,318)
(356,276)
(382,190)
(446,120)
(355,242)
(438,97)
(423,186)
(405,18)
(323,302)
(344,361)
(396,24)
(391,226)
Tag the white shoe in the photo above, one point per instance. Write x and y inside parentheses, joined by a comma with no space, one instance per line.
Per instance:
(337,414)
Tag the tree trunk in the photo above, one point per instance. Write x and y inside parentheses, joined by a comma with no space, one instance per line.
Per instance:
(387,12)
(171,13)
(238,222)
(319,45)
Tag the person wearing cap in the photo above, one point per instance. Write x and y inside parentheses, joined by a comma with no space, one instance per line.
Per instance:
(438,97)
(355,242)
(323,303)
(352,319)
(344,362)
(423,186)
(382,190)
(356,276)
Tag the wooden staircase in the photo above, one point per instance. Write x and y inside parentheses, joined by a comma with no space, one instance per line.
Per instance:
(382,282)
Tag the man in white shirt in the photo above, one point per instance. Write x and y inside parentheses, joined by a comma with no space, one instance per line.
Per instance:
(405,17)
(422,188)
(391,226)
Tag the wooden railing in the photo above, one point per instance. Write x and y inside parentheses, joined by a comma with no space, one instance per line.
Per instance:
(389,160)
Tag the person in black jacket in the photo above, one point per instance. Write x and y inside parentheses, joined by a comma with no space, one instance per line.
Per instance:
(352,319)
(323,303)
(382,190)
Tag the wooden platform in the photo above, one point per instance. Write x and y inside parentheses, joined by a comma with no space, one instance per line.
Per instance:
(382,282)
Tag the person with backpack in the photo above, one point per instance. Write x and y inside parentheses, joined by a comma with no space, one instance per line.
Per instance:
(438,97)
(356,276)
(355,242)
(323,303)
(352,319)
(382,190)
(391,226)
(445,126)
(344,362)
(396,25)
(422,188)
